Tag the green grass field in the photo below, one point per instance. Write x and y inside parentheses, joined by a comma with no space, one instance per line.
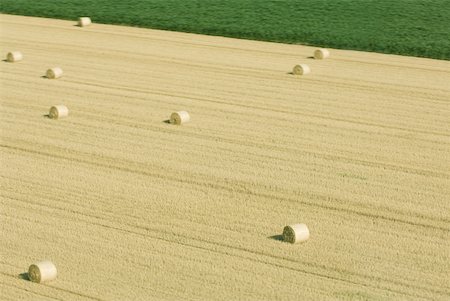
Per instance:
(416,28)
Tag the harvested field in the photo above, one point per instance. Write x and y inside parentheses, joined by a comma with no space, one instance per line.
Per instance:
(130,207)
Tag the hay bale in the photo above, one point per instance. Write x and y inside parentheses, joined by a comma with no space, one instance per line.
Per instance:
(14,56)
(54,73)
(295,233)
(58,111)
(301,69)
(42,271)
(84,21)
(321,54)
(179,117)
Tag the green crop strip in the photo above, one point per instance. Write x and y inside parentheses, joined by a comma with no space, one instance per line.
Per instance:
(416,28)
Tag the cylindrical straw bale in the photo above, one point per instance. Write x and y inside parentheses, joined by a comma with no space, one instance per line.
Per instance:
(14,56)
(42,271)
(58,111)
(84,21)
(54,73)
(179,117)
(301,69)
(295,233)
(321,54)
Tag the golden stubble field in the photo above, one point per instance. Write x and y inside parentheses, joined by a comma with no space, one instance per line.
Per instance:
(129,207)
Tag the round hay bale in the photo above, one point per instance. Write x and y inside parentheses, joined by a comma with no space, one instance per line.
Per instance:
(321,54)
(84,21)
(42,271)
(301,69)
(14,56)
(295,233)
(54,73)
(58,111)
(179,117)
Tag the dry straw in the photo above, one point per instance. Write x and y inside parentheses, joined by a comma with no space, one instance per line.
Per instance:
(84,21)
(42,271)
(295,233)
(179,117)
(14,56)
(54,73)
(58,111)
(321,54)
(301,69)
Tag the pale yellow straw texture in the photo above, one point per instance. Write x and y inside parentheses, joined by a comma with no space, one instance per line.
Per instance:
(134,208)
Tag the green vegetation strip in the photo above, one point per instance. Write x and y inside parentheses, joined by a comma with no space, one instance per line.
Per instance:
(416,28)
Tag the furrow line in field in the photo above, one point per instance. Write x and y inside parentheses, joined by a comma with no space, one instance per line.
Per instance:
(253,107)
(133,167)
(290,150)
(306,166)
(130,207)
(286,150)
(194,248)
(290,115)
(94,199)
(248,254)
(183,43)
(342,152)
(177,39)
(338,86)
(244,72)
(286,108)
(49,288)
(301,163)
(264,202)
(19,291)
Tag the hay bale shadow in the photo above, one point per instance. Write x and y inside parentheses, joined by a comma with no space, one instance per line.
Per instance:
(24,276)
(310,57)
(290,73)
(5,60)
(44,76)
(46,116)
(167,121)
(276,237)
